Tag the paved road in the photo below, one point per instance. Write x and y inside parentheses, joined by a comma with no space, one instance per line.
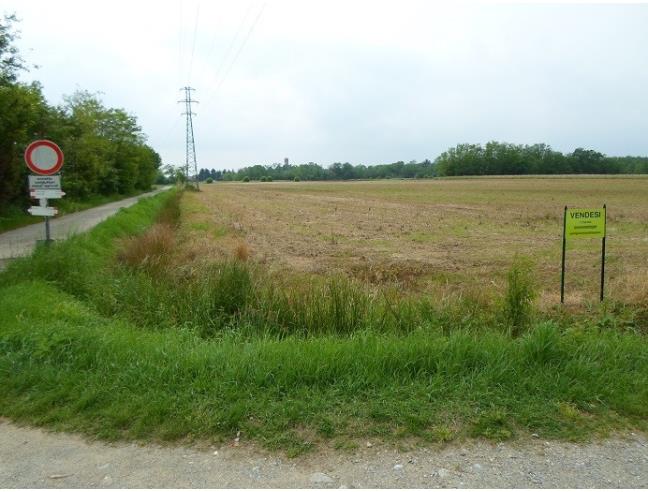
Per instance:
(21,242)
(32,458)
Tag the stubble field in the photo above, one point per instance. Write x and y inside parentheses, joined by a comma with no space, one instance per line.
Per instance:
(439,238)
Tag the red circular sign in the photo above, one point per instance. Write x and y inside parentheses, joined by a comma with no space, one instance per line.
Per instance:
(44,157)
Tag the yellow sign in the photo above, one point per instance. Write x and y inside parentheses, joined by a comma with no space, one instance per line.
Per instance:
(585,222)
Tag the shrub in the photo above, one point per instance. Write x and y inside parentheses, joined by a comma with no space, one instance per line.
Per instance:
(296,178)
(209,181)
(246,179)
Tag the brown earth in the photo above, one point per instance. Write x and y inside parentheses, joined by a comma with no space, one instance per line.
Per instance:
(436,237)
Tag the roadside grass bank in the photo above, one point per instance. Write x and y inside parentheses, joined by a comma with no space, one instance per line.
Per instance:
(111,334)
(66,367)
(14,217)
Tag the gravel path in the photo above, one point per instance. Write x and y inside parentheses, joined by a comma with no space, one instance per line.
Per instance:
(21,242)
(32,458)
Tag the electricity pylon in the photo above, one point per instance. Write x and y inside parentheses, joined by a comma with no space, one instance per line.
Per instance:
(190,154)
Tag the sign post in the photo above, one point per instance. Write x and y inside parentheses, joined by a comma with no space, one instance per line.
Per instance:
(44,158)
(581,223)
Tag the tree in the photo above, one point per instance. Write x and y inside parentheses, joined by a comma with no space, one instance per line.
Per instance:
(11,63)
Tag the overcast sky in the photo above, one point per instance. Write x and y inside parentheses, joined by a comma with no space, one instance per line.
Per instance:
(360,81)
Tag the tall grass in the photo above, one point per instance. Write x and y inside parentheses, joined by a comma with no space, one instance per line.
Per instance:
(94,339)
(63,365)
(519,296)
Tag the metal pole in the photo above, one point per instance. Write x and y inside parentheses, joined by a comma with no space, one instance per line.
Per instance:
(564,247)
(603,252)
(43,203)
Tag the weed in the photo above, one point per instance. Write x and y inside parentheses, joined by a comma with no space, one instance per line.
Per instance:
(242,251)
(151,250)
(520,293)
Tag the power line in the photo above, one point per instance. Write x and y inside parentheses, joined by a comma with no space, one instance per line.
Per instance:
(193,46)
(212,45)
(245,40)
(249,33)
(190,144)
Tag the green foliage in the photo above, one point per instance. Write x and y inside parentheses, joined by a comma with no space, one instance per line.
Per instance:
(209,180)
(520,293)
(11,62)
(246,179)
(105,150)
(497,158)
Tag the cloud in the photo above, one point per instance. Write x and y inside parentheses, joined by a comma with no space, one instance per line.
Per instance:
(365,82)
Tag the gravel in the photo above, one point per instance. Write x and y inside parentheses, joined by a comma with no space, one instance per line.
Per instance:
(33,458)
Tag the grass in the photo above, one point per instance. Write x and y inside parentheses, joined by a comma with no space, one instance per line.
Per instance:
(116,334)
(70,368)
(14,217)
(443,235)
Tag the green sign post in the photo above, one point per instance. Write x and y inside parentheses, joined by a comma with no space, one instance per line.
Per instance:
(579,223)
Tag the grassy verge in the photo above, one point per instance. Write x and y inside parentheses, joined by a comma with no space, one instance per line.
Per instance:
(118,341)
(15,217)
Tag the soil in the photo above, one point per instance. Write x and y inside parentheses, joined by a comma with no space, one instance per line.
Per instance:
(33,458)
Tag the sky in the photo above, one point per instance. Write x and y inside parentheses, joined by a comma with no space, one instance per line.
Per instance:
(365,82)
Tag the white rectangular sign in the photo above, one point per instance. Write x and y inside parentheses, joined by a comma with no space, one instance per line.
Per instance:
(43,211)
(46,194)
(44,183)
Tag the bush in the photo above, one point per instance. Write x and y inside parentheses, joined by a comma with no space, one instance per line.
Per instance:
(263,179)
(246,179)
(209,181)
(296,178)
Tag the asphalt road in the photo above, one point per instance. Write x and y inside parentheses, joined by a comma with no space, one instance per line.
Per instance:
(32,458)
(22,241)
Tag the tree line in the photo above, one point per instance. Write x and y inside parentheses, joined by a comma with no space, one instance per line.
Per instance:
(105,149)
(494,158)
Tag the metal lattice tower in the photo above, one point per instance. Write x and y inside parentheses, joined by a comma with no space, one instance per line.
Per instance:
(190,155)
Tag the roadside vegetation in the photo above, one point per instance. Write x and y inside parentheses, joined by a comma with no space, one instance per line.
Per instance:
(120,333)
(106,154)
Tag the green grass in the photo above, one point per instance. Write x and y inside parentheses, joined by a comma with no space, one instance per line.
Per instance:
(120,353)
(15,217)
(65,366)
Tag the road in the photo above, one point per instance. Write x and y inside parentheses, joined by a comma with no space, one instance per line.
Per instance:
(22,241)
(33,458)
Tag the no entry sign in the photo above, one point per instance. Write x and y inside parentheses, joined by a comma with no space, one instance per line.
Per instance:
(44,157)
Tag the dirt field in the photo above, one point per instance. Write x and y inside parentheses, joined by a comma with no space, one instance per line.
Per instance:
(438,237)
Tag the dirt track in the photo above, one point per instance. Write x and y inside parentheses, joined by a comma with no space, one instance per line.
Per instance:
(32,458)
